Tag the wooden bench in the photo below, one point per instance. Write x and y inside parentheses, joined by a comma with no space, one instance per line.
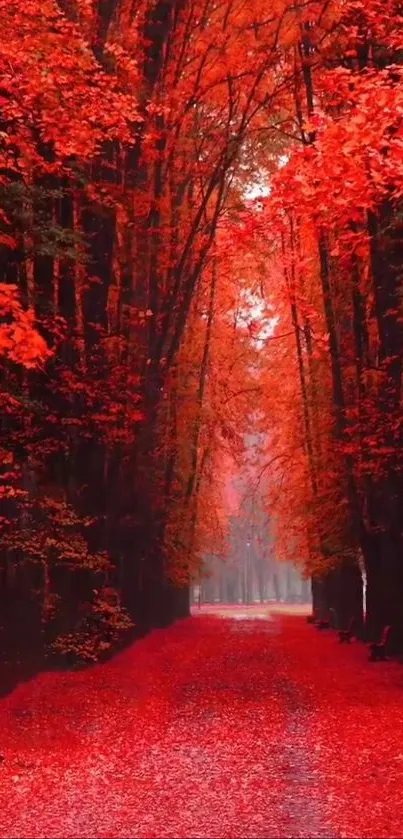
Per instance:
(326,622)
(345,635)
(322,624)
(378,651)
(334,621)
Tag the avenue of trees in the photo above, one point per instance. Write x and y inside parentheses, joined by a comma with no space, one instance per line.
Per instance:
(250,573)
(200,233)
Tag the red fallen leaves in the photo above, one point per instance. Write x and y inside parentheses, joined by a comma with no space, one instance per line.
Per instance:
(357,730)
(212,728)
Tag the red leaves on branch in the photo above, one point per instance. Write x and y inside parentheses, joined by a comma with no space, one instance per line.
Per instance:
(20,341)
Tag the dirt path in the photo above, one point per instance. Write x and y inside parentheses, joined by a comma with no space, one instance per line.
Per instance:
(213,728)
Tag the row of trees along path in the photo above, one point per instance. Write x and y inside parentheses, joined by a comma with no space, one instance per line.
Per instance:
(152,309)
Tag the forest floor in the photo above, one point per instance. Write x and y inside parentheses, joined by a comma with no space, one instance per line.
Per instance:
(259,726)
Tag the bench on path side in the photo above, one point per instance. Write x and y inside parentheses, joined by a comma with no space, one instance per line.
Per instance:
(378,650)
(329,622)
(334,621)
(323,623)
(345,635)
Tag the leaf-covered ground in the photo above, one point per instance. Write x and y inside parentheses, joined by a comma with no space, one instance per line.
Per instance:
(216,727)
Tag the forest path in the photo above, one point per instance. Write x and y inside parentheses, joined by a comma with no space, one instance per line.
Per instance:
(216,727)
